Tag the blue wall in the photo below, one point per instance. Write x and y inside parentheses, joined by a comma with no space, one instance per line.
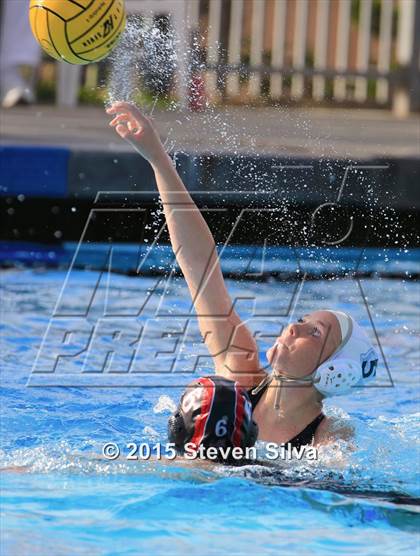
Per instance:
(34,171)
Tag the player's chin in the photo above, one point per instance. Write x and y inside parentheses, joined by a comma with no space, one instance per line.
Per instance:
(275,356)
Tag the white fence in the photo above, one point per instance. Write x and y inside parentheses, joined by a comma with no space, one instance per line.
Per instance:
(360,51)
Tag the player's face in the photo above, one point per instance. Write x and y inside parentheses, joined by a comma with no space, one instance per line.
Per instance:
(304,345)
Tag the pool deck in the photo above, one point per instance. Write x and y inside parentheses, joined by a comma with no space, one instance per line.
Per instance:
(355,134)
(57,163)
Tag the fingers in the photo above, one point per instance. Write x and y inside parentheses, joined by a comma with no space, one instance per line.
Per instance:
(122,131)
(136,133)
(133,126)
(130,127)
(128,109)
(121,118)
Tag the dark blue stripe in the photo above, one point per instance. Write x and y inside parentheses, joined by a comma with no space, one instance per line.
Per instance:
(34,171)
(26,252)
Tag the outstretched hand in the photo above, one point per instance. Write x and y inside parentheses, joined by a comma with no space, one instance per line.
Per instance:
(137,129)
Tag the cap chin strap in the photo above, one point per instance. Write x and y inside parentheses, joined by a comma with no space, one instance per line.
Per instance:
(289,379)
(346,329)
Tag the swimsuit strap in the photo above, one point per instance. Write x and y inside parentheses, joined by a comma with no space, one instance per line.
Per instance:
(307,435)
(255,395)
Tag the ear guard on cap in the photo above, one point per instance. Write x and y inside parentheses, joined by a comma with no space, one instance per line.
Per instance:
(339,376)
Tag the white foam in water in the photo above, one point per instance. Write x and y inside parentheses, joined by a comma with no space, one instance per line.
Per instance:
(165,404)
(150,434)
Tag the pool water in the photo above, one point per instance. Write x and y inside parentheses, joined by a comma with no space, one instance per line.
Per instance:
(60,496)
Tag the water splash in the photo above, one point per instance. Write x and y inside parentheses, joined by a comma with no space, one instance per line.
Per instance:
(143,59)
(147,57)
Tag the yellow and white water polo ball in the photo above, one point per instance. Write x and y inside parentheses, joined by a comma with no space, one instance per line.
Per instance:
(77,31)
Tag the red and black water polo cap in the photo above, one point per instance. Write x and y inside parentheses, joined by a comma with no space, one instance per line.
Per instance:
(213,412)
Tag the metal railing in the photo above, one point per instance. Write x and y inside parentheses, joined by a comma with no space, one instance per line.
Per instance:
(361,51)
(365,52)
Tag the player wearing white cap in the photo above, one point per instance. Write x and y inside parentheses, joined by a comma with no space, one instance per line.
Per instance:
(323,353)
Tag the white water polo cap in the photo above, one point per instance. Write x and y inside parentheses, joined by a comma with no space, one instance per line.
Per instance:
(353,363)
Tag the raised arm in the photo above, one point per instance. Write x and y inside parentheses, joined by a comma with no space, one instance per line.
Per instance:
(228,339)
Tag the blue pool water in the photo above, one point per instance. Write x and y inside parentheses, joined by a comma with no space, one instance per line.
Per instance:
(61,497)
